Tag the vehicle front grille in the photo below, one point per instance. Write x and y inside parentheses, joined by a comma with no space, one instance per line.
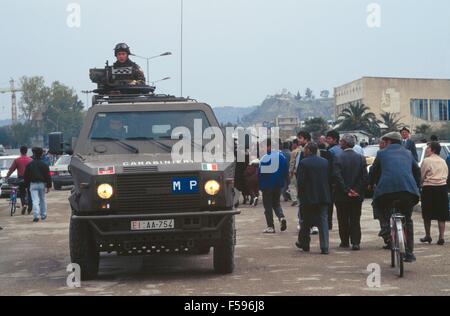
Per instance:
(152,193)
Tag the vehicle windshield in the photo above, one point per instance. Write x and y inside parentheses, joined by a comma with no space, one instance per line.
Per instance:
(371,151)
(144,125)
(64,160)
(5,163)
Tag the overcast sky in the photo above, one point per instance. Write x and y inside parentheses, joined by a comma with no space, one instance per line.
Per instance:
(235,51)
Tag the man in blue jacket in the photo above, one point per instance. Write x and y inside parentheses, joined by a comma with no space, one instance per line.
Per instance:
(273,174)
(397,175)
(313,180)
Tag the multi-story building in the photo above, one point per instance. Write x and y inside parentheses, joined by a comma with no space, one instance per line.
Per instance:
(415,101)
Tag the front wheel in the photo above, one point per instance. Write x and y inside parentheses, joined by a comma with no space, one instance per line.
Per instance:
(224,251)
(83,249)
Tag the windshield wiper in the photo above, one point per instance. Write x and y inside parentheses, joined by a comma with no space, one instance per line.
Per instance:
(127,146)
(152,140)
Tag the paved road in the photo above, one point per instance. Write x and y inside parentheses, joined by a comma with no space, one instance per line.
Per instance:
(33,259)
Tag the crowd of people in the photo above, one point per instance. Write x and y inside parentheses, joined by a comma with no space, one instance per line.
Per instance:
(333,174)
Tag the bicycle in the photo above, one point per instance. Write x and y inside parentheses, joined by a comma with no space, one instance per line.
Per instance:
(398,241)
(13,200)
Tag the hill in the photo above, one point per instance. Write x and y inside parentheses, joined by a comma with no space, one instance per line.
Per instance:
(232,114)
(286,104)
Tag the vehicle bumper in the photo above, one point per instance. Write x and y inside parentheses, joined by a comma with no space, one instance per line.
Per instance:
(192,230)
(63,180)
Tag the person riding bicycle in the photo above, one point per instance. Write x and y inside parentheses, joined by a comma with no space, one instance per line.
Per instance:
(20,165)
(398,176)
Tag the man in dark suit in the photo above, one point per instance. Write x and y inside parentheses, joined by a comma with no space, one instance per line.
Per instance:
(351,178)
(313,180)
(408,143)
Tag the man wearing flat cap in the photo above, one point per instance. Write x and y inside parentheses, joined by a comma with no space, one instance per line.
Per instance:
(397,175)
(408,143)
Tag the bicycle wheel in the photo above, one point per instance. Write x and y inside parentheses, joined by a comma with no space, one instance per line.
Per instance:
(399,257)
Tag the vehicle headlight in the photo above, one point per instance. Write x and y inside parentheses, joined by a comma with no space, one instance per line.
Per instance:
(212,187)
(105,191)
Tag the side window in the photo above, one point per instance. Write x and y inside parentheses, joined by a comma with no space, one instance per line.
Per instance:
(444,152)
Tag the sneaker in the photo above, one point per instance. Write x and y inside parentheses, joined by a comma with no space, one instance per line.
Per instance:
(35,220)
(410,258)
(344,246)
(356,247)
(314,231)
(44,218)
(283,223)
(325,252)
(1,228)
(255,202)
(24,209)
(269,230)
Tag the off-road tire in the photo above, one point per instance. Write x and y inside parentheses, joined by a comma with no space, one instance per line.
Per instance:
(224,250)
(83,249)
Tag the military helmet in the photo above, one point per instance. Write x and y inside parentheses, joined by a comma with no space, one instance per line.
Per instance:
(122,47)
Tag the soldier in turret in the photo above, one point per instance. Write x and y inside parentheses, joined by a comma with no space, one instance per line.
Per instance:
(124,69)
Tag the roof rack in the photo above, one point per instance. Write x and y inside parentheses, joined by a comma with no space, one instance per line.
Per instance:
(136,98)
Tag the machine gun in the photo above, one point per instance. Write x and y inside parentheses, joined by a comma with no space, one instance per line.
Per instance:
(118,81)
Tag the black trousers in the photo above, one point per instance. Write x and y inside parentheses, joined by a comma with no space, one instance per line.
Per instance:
(349,219)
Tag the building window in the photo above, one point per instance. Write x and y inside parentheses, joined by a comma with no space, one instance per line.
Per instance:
(439,110)
(419,108)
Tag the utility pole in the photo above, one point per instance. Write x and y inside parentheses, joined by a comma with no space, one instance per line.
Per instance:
(12,89)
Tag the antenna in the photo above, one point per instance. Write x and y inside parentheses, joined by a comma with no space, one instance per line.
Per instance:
(182,18)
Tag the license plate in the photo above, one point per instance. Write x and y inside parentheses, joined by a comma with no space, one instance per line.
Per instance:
(64,174)
(160,224)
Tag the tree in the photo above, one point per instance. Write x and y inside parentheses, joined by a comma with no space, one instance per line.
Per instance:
(357,117)
(21,134)
(308,94)
(391,121)
(424,129)
(49,109)
(35,96)
(316,125)
(325,94)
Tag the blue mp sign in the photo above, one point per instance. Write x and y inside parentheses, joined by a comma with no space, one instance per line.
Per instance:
(185,185)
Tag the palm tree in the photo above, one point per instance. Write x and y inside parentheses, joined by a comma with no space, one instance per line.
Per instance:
(357,117)
(424,129)
(391,121)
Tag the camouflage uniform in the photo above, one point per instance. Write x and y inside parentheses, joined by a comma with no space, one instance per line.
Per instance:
(128,72)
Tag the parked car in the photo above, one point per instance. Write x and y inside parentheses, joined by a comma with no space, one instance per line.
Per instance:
(60,172)
(5,163)
(370,152)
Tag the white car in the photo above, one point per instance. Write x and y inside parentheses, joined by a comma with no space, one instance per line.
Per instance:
(5,163)
(60,172)
(370,152)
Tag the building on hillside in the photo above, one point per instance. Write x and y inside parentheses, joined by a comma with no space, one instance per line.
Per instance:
(287,126)
(415,101)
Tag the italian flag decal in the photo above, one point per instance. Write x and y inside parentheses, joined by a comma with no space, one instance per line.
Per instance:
(210,167)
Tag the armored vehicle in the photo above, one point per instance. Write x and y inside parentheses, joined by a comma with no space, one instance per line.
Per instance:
(130,196)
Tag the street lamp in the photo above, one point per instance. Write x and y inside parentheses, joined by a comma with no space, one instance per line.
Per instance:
(148,61)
